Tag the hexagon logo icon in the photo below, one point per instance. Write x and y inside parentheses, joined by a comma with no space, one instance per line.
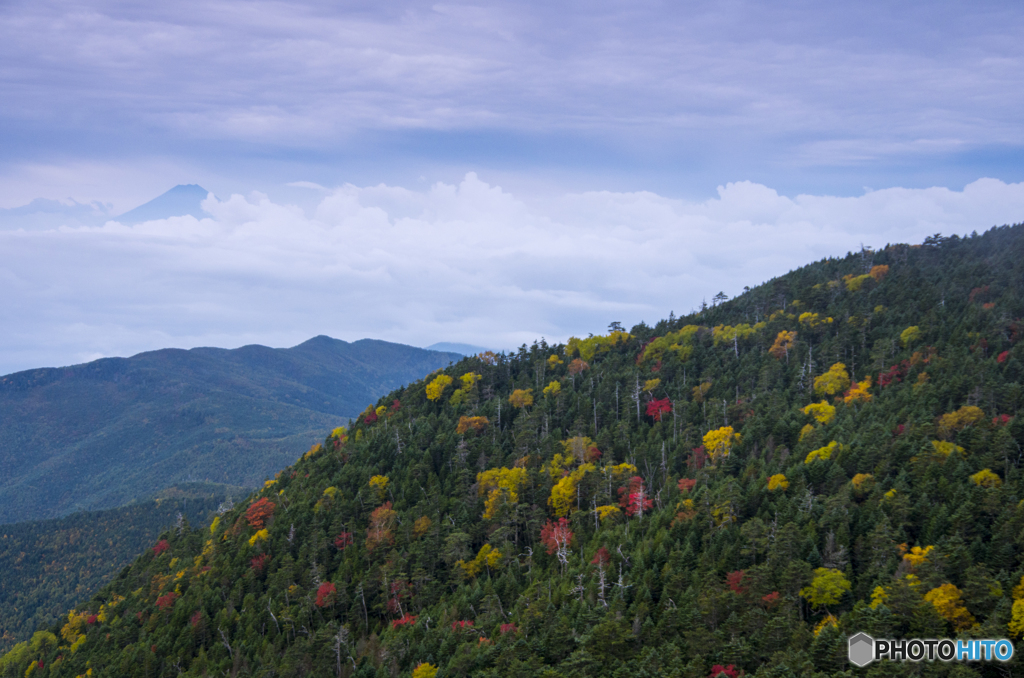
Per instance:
(862,649)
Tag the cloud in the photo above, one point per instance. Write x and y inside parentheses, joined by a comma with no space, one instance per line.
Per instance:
(769,87)
(463,262)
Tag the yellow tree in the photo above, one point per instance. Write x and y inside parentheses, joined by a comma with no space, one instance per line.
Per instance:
(501,485)
(950,606)
(910,335)
(827,587)
(859,392)
(424,670)
(437,386)
(986,478)
(565,496)
(718,443)
(836,380)
(380,486)
(521,397)
(822,412)
(957,421)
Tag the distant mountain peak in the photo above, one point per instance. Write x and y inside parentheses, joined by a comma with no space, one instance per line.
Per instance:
(182,200)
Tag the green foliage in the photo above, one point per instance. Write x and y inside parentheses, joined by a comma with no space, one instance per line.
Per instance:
(118,430)
(731,573)
(48,566)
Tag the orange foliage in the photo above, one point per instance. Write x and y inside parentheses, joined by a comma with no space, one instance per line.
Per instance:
(783,342)
(879,272)
(475,423)
(577,366)
(381,521)
(260,511)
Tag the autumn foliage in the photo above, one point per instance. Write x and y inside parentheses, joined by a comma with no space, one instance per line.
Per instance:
(471,424)
(555,535)
(718,443)
(343,541)
(634,498)
(166,601)
(259,513)
(656,408)
(326,594)
(783,343)
(951,423)
(521,397)
(379,533)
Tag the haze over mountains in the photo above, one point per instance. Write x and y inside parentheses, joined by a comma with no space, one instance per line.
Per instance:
(42,213)
(116,430)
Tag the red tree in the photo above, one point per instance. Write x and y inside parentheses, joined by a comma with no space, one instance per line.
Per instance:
(656,408)
(601,558)
(326,594)
(556,535)
(343,541)
(406,620)
(166,601)
(686,484)
(735,581)
(1001,358)
(258,563)
(718,670)
(160,547)
(635,499)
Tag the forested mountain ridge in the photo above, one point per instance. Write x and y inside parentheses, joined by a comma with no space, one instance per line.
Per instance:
(117,430)
(731,492)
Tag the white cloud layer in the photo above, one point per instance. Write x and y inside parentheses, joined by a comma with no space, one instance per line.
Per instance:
(467,262)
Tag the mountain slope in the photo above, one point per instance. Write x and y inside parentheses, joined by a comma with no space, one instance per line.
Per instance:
(182,200)
(734,491)
(114,430)
(50,565)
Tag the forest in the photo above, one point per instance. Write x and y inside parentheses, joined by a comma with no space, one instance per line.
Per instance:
(729,493)
(51,565)
(114,431)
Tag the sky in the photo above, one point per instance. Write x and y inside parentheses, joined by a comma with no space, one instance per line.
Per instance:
(485,173)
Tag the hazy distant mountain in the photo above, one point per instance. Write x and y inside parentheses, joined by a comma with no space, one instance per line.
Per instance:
(453,347)
(43,214)
(181,200)
(104,433)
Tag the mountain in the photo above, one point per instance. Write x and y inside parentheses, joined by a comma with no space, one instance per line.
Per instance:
(43,214)
(183,199)
(50,565)
(453,347)
(734,492)
(115,430)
